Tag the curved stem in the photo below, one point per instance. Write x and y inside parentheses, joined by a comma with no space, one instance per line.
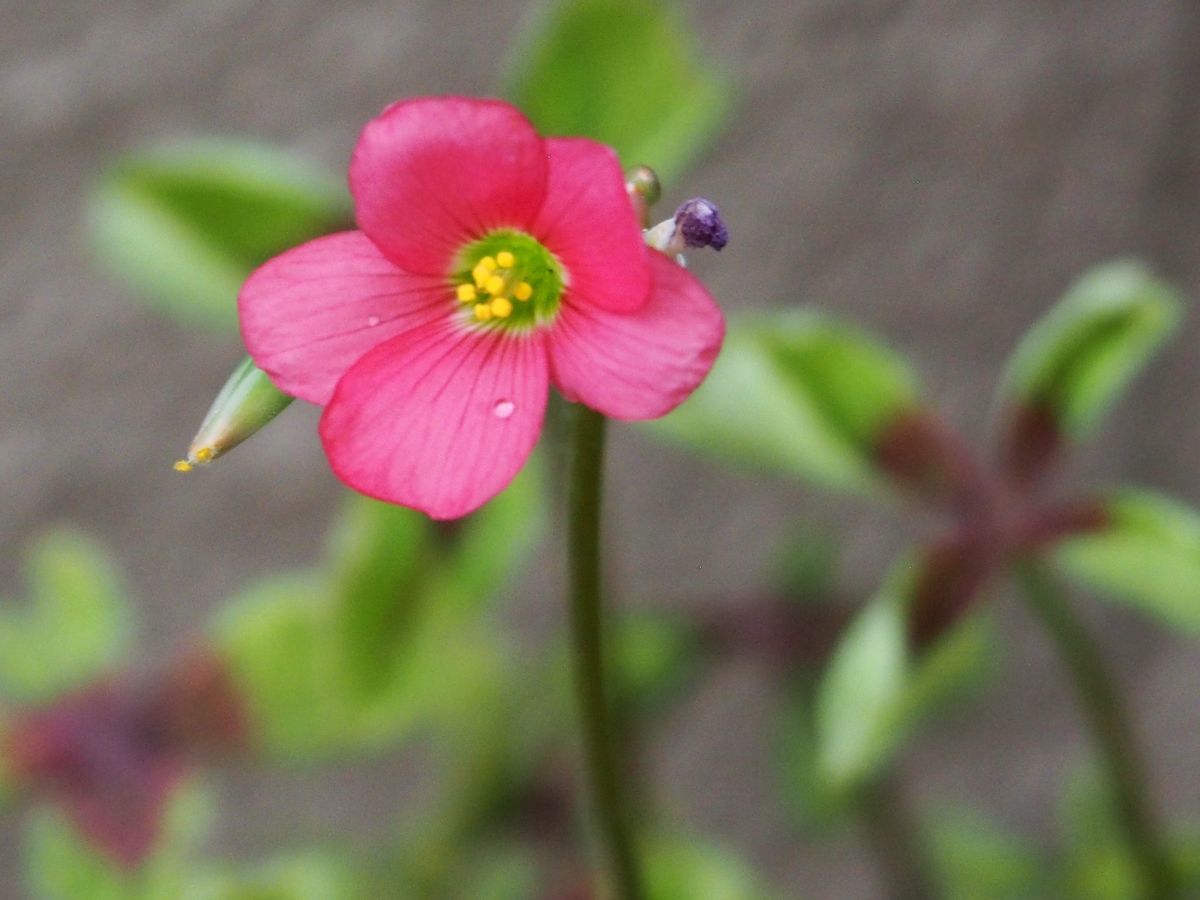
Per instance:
(1107,719)
(586,621)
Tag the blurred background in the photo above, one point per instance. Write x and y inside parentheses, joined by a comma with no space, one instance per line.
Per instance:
(936,172)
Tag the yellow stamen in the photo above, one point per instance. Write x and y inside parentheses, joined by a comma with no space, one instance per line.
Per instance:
(523,291)
(466,292)
(494,285)
(483,312)
(505,260)
(204,454)
(182,466)
(501,307)
(489,263)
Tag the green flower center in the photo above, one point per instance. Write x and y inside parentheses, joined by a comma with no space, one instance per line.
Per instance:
(507,279)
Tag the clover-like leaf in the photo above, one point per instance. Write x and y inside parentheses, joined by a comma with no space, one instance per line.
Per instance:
(625,72)
(801,394)
(679,866)
(1074,363)
(75,625)
(1146,555)
(876,690)
(187,223)
(977,860)
(383,557)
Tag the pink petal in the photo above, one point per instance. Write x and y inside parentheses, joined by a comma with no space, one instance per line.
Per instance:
(308,315)
(439,419)
(643,364)
(590,225)
(429,175)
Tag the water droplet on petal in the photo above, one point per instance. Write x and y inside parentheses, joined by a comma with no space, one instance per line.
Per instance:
(373,321)
(503,409)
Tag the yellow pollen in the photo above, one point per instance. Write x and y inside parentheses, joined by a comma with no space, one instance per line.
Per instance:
(501,307)
(182,466)
(494,285)
(480,274)
(204,454)
(489,263)
(523,291)
(483,312)
(505,260)
(466,292)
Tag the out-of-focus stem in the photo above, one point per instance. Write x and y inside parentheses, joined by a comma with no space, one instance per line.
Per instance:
(893,838)
(587,625)
(1105,713)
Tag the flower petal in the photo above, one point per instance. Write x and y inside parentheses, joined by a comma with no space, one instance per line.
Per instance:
(590,224)
(310,313)
(439,419)
(431,174)
(643,364)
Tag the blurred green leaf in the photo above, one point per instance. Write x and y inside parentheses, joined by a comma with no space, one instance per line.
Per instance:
(625,72)
(1147,556)
(186,224)
(1097,863)
(276,639)
(75,625)
(295,876)
(797,393)
(874,692)
(1080,356)
(60,865)
(686,868)
(490,545)
(654,655)
(806,793)
(382,558)
(976,860)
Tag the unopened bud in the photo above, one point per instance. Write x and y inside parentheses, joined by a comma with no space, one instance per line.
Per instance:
(246,403)
(696,224)
(700,223)
(644,190)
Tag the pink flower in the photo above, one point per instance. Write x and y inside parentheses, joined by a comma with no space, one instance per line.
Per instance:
(491,263)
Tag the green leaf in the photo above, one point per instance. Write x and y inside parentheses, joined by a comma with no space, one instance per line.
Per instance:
(294,876)
(654,656)
(625,72)
(806,793)
(679,868)
(186,224)
(1097,864)
(1147,556)
(1077,360)
(382,559)
(275,637)
(797,393)
(61,865)
(875,692)
(976,860)
(490,545)
(74,627)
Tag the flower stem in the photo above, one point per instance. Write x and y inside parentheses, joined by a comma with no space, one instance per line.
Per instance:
(1108,721)
(600,755)
(893,837)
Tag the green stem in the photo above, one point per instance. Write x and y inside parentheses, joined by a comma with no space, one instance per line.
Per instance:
(1106,716)
(600,757)
(893,837)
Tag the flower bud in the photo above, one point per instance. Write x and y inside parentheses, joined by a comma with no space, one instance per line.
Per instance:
(699,222)
(696,224)
(644,190)
(246,403)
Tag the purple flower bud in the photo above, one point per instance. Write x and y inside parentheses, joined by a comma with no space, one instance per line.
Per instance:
(699,221)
